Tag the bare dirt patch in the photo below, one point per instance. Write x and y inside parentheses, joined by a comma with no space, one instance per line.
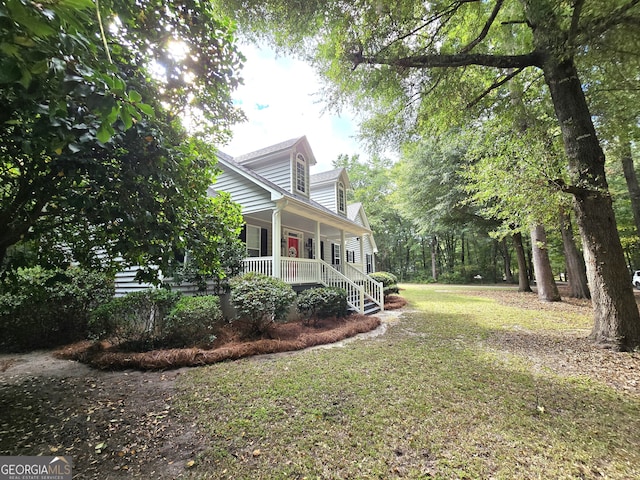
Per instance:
(568,352)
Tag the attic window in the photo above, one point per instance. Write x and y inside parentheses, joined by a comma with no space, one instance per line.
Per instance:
(341,198)
(301,174)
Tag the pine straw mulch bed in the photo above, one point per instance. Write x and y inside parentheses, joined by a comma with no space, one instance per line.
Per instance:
(231,344)
(394,302)
(564,352)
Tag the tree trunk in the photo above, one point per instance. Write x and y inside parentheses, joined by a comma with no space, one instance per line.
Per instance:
(523,275)
(508,276)
(632,181)
(545,283)
(576,270)
(616,317)
(434,258)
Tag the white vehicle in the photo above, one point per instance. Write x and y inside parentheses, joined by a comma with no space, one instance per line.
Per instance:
(635,280)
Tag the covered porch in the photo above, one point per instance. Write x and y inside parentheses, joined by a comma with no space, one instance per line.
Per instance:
(318,247)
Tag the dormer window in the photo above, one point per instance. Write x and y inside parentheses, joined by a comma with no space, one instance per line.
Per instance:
(301,174)
(341,198)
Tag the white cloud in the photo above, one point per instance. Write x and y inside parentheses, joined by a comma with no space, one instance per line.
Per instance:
(280,98)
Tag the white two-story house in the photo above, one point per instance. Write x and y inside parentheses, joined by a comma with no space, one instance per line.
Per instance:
(298,226)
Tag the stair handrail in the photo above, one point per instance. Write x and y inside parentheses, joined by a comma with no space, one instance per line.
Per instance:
(334,278)
(373,289)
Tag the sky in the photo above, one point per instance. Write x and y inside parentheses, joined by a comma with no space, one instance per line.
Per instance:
(280,98)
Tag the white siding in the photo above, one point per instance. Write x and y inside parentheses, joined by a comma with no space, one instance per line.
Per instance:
(326,196)
(353,245)
(250,196)
(277,171)
(126,283)
(358,219)
(368,250)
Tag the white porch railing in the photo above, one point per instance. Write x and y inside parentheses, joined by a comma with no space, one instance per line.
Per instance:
(263,265)
(299,270)
(372,288)
(333,278)
(357,284)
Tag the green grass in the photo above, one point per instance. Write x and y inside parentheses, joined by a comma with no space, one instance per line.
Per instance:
(425,400)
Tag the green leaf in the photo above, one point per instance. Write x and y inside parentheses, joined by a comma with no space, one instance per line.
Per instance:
(76,4)
(21,14)
(40,67)
(147,109)
(25,79)
(126,116)
(134,96)
(9,49)
(113,115)
(104,133)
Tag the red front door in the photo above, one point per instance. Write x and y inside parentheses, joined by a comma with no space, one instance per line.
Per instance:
(293,250)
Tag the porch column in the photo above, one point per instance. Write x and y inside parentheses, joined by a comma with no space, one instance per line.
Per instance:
(343,246)
(276,238)
(362,259)
(318,253)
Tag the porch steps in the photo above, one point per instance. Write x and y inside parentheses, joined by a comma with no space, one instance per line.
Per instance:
(370,307)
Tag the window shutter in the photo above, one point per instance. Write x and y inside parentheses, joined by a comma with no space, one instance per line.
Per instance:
(321,250)
(243,233)
(263,242)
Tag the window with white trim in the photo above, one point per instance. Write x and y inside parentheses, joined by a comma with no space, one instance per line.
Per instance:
(341,198)
(301,174)
(336,254)
(253,241)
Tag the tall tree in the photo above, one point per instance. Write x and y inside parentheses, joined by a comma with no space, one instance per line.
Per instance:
(91,152)
(373,185)
(576,269)
(547,288)
(523,271)
(382,49)
(431,193)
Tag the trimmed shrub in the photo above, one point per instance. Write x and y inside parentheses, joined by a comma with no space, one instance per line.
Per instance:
(322,302)
(135,319)
(193,322)
(42,308)
(261,300)
(389,282)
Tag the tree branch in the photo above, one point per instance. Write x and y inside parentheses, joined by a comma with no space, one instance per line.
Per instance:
(601,25)
(486,28)
(493,87)
(451,60)
(575,20)
(448,11)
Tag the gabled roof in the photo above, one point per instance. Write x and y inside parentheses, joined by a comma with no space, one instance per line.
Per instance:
(274,149)
(328,176)
(355,209)
(278,192)
(331,176)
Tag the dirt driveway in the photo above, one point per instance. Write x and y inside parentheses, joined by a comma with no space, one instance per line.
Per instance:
(113,424)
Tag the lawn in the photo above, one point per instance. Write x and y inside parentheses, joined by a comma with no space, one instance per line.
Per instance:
(469,383)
